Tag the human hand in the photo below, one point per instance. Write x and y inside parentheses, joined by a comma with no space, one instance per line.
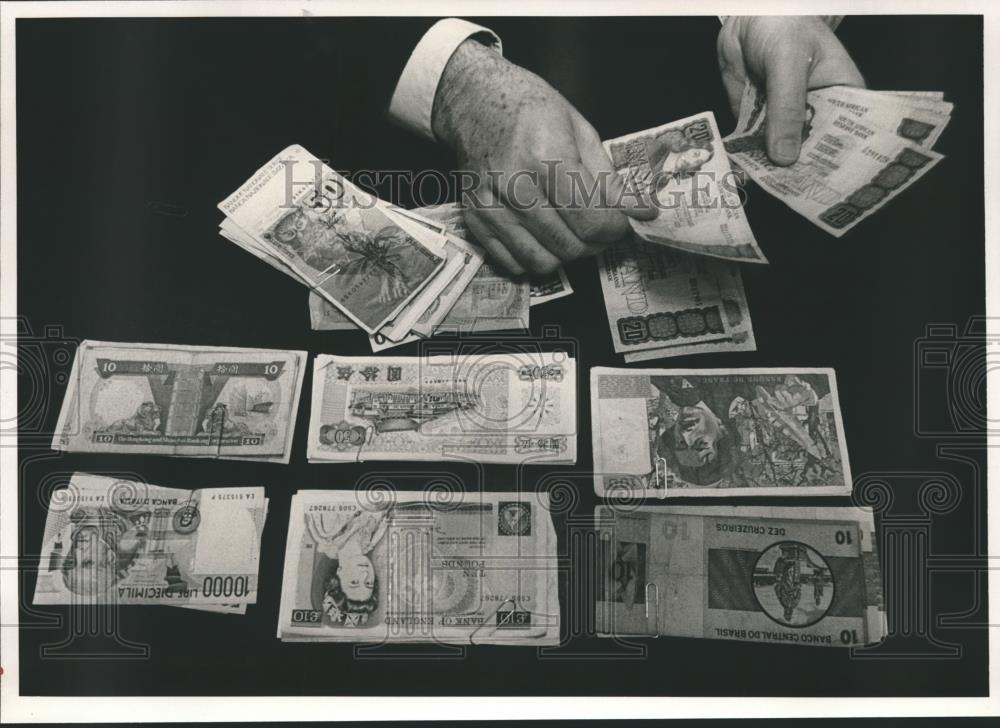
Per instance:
(788,55)
(542,189)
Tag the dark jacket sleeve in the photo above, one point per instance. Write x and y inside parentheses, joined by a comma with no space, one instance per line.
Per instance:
(367,56)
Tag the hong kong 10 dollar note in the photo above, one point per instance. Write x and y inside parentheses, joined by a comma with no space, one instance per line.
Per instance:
(189,401)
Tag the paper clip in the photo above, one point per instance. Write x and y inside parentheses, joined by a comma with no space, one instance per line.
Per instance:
(369,433)
(660,464)
(492,619)
(656,607)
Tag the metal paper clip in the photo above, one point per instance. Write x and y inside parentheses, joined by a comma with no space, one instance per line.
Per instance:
(491,620)
(656,607)
(661,471)
(369,433)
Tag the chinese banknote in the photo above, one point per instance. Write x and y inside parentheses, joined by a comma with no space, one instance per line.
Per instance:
(489,408)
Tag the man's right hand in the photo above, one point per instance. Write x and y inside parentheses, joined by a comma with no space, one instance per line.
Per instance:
(545,190)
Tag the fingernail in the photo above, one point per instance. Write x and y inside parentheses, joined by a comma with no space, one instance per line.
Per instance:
(786,150)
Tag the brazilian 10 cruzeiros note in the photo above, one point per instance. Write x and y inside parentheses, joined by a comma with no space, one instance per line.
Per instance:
(432,566)
(782,575)
(115,541)
(190,401)
(716,432)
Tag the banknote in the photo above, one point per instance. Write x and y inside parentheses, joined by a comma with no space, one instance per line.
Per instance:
(543,289)
(550,287)
(517,407)
(666,302)
(113,541)
(683,167)
(737,313)
(780,575)
(450,216)
(752,103)
(192,401)
(347,245)
(717,432)
(848,167)
(324,316)
(916,120)
(484,298)
(460,568)
(935,95)
(455,290)
(493,301)
(399,327)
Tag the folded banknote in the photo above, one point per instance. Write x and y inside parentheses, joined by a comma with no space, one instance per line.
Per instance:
(190,401)
(663,302)
(467,295)
(361,254)
(682,167)
(780,575)
(487,408)
(860,149)
(551,287)
(461,568)
(717,432)
(114,541)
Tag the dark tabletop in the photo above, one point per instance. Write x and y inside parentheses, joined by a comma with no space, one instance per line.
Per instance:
(131,131)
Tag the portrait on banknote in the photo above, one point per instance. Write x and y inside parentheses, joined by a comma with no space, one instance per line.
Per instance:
(730,431)
(414,568)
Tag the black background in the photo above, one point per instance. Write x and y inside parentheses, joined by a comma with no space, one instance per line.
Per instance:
(129,133)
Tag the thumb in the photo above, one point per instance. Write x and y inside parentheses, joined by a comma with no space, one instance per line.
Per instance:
(786,79)
(624,197)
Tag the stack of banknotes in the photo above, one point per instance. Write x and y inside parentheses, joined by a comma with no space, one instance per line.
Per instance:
(113,541)
(860,149)
(781,575)
(400,275)
(674,287)
(457,568)
(188,401)
(717,432)
(508,407)
(483,298)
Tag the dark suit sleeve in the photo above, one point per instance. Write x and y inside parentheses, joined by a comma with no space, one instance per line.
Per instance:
(368,55)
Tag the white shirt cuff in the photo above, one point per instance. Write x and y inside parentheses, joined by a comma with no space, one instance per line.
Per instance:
(831,20)
(413,100)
